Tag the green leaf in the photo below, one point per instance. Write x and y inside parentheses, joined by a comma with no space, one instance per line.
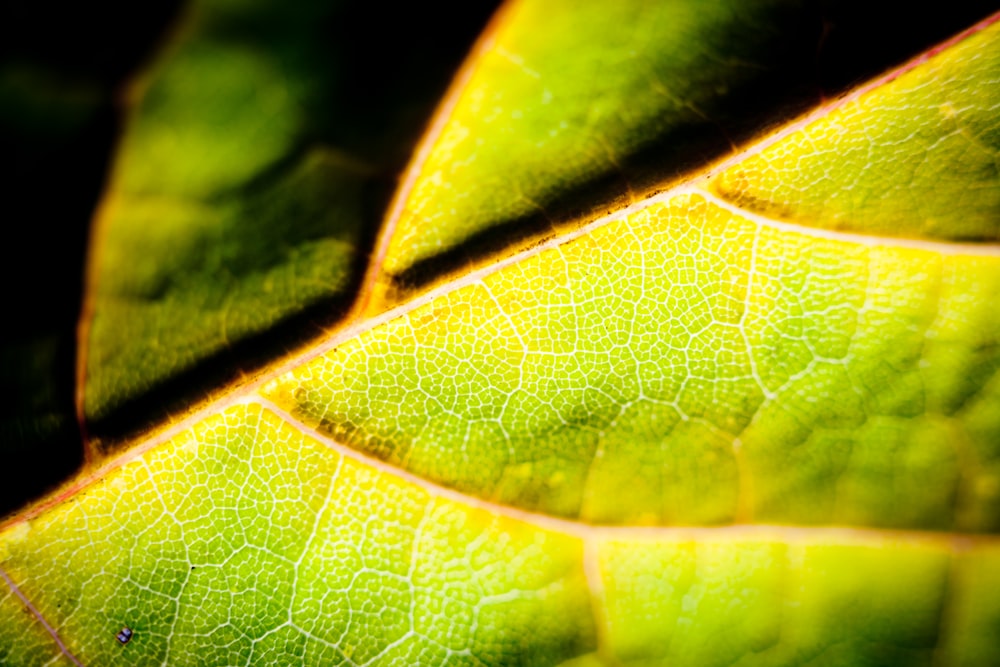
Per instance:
(657,358)
(238,205)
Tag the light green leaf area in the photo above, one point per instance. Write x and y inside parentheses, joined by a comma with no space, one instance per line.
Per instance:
(23,640)
(552,123)
(244,540)
(809,600)
(918,156)
(224,216)
(688,432)
(750,371)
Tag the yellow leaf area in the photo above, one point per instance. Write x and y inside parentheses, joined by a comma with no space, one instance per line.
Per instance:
(697,431)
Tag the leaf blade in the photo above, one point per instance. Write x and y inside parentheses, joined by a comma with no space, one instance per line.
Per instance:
(800,320)
(941,141)
(546,356)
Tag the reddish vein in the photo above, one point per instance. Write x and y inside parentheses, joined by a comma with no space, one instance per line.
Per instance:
(41,619)
(239,391)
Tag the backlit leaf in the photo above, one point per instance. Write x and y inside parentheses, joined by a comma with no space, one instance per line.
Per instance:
(658,358)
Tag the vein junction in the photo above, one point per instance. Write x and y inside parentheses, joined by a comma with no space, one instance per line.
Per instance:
(453,483)
(659,340)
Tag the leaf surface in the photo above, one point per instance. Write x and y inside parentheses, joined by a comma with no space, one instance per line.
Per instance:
(746,414)
(240,205)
